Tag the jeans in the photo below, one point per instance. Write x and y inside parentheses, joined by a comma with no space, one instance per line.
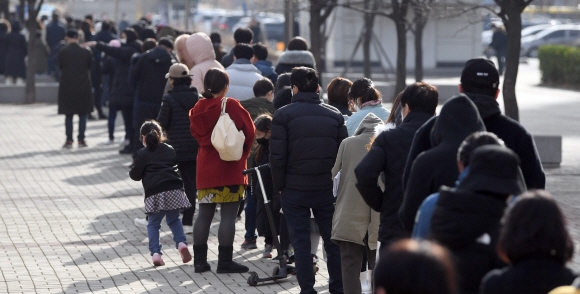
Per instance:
(68,124)
(111,120)
(127,112)
(172,219)
(296,206)
(250,211)
(187,169)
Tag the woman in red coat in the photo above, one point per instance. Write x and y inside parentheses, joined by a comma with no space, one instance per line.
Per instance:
(218,182)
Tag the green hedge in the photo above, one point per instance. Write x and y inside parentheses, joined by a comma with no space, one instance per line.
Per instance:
(560,65)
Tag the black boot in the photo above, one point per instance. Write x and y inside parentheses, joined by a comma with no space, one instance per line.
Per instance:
(225,263)
(200,258)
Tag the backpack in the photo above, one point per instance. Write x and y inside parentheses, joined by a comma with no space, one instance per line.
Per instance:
(226,138)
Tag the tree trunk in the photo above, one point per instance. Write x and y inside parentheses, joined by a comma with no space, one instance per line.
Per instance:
(419,27)
(30,96)
(315,36)
(4,10)
(369,21)
(513,25)
(401,55)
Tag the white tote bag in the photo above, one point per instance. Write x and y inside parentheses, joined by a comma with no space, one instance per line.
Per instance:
(226,138)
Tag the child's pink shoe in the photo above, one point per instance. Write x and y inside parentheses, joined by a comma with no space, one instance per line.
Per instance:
(184,252)
(157,260)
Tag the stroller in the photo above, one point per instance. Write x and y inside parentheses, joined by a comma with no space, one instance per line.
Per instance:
(283,270)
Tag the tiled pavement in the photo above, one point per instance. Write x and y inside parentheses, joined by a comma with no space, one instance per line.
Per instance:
(66,220)
(66,216)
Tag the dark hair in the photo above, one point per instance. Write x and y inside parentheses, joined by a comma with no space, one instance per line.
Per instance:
(468,88)
(86,28)
(153,134)
(473,141)
(282,91)
(167,42)
(260,51)
(183,81)
(215,81)
(148,44)
(337,91)
(105,26)
(421,97)
(365,89)
(263,123)
(55,16)
(243,50)
(243,35)
(3,26)
(89,17)
(131,34)
(283,81)
(149,33)
(534,227)
(395,110)
(305,79)
(415,267)
(297,44)
(215,38)
(262,87)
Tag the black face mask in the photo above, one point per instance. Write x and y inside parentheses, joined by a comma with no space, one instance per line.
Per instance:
(263,141)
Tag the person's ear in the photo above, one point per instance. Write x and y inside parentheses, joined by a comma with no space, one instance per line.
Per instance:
(318,89)
(497,94)
(460,166)
(460,88)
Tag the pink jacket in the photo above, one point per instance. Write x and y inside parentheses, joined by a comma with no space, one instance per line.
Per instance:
(201,53)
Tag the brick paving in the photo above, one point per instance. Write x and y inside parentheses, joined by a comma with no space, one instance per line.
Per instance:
(66,221)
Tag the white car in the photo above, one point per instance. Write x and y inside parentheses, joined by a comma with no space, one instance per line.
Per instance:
(558,34)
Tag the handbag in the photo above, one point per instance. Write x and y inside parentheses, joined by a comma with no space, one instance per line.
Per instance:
(226,138)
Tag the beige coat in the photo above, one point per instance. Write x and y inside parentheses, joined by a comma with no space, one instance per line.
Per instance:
(200,52)
(352,216)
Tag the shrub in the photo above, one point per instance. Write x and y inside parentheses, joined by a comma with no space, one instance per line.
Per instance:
(560,65)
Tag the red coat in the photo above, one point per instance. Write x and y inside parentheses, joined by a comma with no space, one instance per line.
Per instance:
(211,170)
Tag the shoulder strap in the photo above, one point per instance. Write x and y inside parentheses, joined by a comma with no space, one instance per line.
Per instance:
(224,102)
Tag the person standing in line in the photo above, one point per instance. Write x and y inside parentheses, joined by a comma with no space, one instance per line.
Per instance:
(55,32)
(338,95)
(499,44)
(241,35)
(301,158)
(365,99)
(260,61)
(355,226)
(174,118)
(74,90)
(388,155)
(199,50)
(243,74)
(216,40)
(296,55)
(105,36)
(218,181)
(156,167)
(4,30)
(16,52)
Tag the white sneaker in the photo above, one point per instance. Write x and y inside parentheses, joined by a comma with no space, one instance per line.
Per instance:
(188,230)
(124,143)
(141,222)
(365,283)
(110,142)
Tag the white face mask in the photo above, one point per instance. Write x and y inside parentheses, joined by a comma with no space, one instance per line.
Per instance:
(123,41)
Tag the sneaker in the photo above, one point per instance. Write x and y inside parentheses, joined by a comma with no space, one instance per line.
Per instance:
(110,142)
(188,230)
(267,251)
(82,144)
(157,260)
(184,252)
(124,143)
(68,145)
(249,244)
(140,222)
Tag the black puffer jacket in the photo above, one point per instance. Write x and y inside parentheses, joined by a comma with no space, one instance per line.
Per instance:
(305,138)
(157,170)
(122,93)
(514,135)
(388,155)
(438,166)
(174,118)
(459,219)
(150,71)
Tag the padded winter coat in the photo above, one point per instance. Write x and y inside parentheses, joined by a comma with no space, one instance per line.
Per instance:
(122,93)
(243,75)
(149,72)
(75,94)
(200,51)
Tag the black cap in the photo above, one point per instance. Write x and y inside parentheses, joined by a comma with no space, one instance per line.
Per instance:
(72,33)
(167,42)
(480,73)
(494,169)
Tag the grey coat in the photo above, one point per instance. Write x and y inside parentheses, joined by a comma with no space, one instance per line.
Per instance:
(75,91)
(353,218)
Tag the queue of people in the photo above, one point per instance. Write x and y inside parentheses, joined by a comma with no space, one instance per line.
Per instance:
(431,189)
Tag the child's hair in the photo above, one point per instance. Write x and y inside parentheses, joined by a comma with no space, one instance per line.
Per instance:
(263,123)
(153,134)
(215,81)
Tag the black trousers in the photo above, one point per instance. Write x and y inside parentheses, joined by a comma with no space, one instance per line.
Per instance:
(187,169)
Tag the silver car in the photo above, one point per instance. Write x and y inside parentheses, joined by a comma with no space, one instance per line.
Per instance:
(558,34)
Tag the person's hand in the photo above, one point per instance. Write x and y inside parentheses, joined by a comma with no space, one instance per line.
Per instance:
(89,44)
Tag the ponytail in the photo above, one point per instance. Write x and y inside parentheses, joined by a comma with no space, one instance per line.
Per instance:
(153,134)
(371,94)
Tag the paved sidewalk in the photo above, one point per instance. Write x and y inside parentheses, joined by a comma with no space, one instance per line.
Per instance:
(67,220)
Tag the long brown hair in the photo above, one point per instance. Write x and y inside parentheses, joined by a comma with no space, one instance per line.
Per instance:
(263,123)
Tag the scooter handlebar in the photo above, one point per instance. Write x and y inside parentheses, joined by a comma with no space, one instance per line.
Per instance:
(252,170)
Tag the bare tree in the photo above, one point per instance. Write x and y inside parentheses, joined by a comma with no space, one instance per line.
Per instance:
(320,10)
(421,11)
(32,26)
(369,22)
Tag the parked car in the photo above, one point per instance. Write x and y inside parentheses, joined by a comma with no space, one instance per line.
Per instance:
(558,34)
(227,22)
(272,27)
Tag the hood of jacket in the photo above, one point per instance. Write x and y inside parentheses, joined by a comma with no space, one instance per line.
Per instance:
(243,65)
(199,48)
(461,217)
(206,117)
(265,67)
(458,119)
(297,57)
(183,95)
(486,105)
(368,124)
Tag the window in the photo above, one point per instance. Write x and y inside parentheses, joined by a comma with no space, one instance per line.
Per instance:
(556,34)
